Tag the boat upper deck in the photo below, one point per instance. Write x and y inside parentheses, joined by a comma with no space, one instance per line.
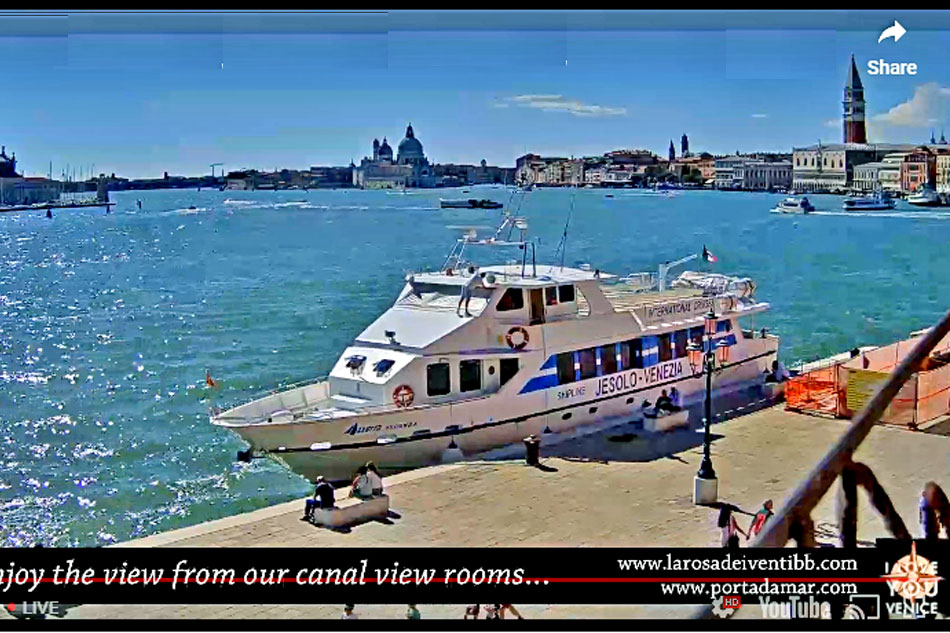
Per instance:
(624,298)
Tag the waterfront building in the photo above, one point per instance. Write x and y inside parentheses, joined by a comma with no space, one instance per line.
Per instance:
(831,167)
(684,146)
(724,169)
(672,152)
(918,170)
(410,168)
(854,107)
(942,168)
(763,175)
(15,189)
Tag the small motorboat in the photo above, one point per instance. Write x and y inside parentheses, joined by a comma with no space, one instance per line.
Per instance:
(879,201)
(794,205)
(470,203)
(924,198)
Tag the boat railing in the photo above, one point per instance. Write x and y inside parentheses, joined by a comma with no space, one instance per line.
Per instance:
(298,411)
(260,394)
(793,521)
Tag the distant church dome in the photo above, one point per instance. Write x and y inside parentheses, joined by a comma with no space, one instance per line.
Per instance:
(410,149)
(385,151)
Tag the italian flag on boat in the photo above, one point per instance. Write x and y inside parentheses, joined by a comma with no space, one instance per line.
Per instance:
(709,257)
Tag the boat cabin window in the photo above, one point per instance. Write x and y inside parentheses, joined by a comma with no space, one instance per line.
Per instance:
(588,361)
(470,375)
(632,354)
(565,368)
(537,307)
(550,296)
(608,359)
(696,334)
(665,346)
(680,341)
(438,382)
(508,367)
(565,293)
(382,366)
(513,299)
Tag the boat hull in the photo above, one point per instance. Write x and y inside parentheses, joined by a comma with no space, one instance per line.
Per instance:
(430,435)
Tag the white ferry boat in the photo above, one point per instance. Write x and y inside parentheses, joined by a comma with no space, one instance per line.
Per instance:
(793,205)
(924,198)
(874,202)
(544,349)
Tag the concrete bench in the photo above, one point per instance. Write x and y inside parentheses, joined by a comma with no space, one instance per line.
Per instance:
(666,422)
(352,510)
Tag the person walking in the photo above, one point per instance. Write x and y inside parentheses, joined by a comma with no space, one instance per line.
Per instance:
(412,613)
(758,521)
(730,528)
(348,613)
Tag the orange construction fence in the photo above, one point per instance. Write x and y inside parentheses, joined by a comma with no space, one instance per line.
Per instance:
(843,389)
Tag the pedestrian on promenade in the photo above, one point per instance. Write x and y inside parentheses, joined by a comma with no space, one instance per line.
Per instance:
(933,511)
(730,528)
(412,613)
(348,613)
(758,521)
(472,610)
(509,607)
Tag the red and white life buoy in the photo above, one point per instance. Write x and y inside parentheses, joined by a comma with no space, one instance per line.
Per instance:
(517,337)
(403,396)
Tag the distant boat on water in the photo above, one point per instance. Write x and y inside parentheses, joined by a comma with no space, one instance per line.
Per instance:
(470,203)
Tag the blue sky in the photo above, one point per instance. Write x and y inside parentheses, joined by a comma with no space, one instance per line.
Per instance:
(138,100)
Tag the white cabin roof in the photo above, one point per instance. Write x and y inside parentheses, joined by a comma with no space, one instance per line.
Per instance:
(510,275)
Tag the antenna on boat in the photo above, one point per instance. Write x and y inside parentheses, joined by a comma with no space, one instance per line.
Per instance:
(562,244)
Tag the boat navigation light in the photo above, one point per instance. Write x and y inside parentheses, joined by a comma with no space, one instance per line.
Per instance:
(391,335)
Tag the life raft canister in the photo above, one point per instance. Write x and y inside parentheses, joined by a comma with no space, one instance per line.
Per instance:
(517,337)
(403,396)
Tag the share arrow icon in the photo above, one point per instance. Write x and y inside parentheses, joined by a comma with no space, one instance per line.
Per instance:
(897,32)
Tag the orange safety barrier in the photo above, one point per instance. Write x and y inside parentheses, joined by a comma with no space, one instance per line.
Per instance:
(814,391)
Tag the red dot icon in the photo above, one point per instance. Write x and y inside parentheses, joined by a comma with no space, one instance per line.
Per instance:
(11,607)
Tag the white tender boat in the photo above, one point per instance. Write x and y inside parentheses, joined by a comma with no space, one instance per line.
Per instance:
(794,205)
(544,350)
(874,202)
(924,198)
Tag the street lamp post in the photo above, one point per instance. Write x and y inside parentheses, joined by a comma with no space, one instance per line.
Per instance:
(703,359)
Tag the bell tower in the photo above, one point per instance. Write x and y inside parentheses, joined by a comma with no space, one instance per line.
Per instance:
(853,115)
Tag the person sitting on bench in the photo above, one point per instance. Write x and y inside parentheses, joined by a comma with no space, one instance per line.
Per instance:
(362,487)
(664,404)
(322,498)
(778,373)
(647,410)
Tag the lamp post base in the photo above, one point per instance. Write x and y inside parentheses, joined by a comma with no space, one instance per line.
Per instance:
(705,491)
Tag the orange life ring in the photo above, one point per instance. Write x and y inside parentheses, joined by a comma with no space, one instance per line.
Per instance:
(403,396)
(510,337)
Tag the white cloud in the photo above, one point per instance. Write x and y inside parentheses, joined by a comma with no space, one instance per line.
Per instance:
(759,115)
(928,105)
(557,103)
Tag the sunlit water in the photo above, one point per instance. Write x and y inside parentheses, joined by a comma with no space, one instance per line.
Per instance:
(109,322)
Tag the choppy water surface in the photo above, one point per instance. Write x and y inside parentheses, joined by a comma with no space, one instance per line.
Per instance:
(109,322)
